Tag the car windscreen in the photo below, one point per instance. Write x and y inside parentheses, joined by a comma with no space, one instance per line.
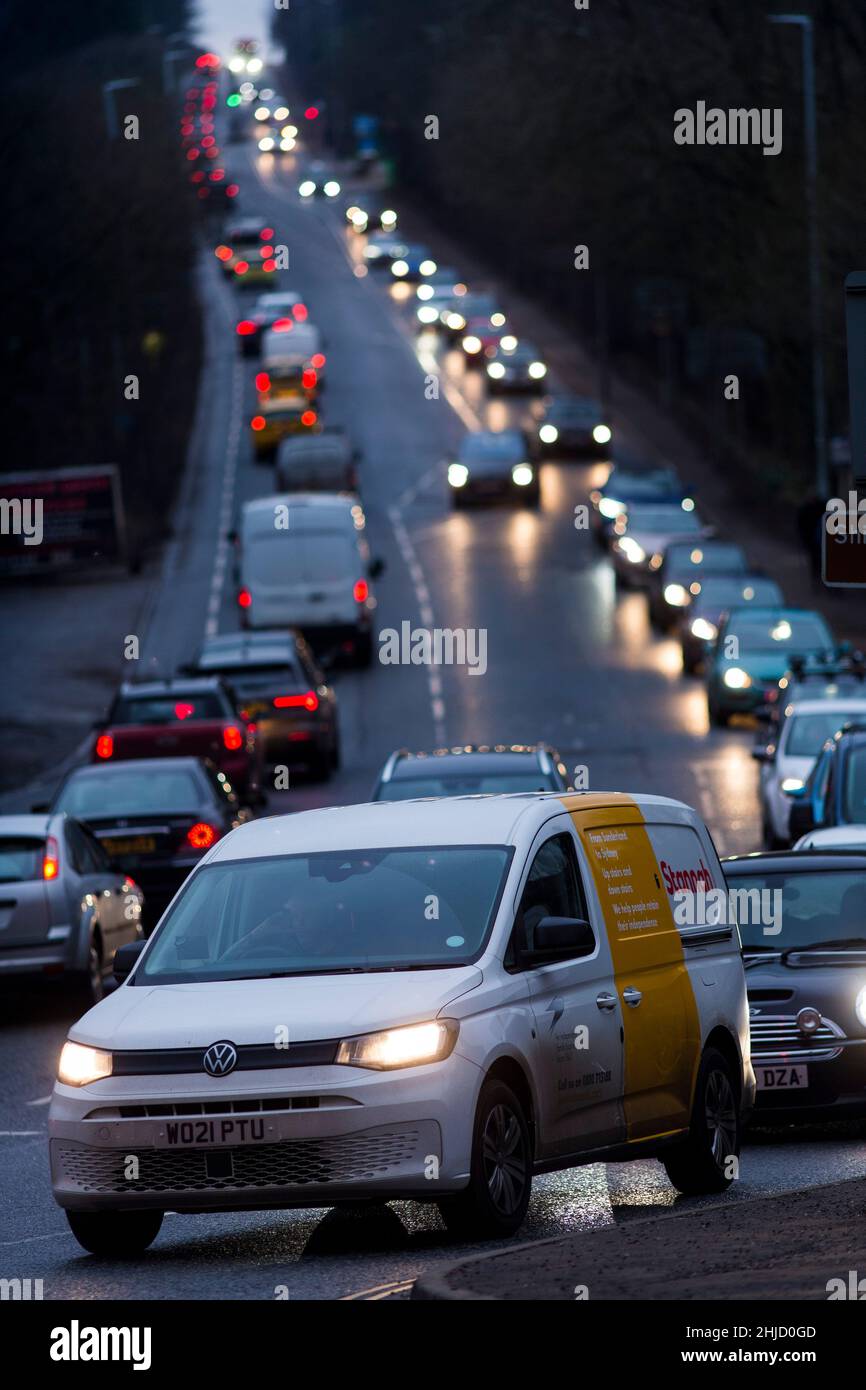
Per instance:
(670,521)
(717,558)
(721,591)
(778,632)
(656,482)
(167,709)
(333,911)
(130,792)
(20,858)
(252,680)
(505,447)
(807,733)
(815,906)
(407,788)
(854,790)
(314,557)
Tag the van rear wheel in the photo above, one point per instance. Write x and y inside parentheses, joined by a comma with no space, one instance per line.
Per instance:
(494,1204)
(115,1233)
(707,1160)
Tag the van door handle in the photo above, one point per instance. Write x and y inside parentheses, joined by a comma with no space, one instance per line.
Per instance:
(632,996)
(607,1002)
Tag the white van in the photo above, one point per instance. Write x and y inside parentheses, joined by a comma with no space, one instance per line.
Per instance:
(304,563)
(430,1000)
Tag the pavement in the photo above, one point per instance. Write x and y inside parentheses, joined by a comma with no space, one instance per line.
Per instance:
(792,1246)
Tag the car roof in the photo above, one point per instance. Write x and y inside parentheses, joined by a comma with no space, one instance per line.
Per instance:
(825,706)
(797,861)
(464,761)
(310,501)
(24,825)
(185,764)
(493,441)
(171,685)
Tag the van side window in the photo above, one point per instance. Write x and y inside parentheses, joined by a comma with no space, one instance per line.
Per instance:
(553,889)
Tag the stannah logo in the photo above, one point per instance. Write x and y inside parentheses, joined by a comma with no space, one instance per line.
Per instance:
(677,880)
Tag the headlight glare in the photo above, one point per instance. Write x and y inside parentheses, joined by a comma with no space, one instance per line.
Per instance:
(79,1064)
(400,1047)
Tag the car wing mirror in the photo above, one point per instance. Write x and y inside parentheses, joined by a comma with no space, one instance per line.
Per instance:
(125,958)
(764,752)
(802,818)
(376,567)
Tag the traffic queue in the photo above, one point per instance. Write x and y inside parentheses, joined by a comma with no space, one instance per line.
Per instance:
(497,929)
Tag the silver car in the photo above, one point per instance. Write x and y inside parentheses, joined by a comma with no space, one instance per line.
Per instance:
(63,909)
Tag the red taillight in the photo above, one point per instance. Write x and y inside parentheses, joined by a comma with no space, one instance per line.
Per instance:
(51,858)
(233,738)
(308,701)
(223,253)
(242,267)
(309,418)
(309,378)
(263,381)
(184,710)
(267,234)
(282,325)
(269,266)
(104,746)
(232,190)
(266,252)
(318,361)
(311,113)
(257,422)
(300,312)
(245,328)
(361,590)
(201,836)
(245,598)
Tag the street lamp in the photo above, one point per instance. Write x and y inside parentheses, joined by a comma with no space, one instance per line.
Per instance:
(108,91)
(819,408)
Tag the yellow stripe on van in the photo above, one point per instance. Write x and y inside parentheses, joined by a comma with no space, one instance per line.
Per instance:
(662,1034)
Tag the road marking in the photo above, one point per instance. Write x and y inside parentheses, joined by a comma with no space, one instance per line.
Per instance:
(422,595)
(227,502)
(20,1133)
(43,1100)
(379,1291)
(709,804)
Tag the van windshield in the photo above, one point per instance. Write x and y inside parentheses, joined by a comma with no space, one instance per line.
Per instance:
(326,557)
(340,911)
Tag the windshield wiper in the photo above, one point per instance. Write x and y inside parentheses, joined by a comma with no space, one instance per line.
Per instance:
(857,943)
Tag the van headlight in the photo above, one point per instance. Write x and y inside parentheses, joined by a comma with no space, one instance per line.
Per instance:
(704,630)
(79,1064)
(736,678)
(400,1047)
(860,1006)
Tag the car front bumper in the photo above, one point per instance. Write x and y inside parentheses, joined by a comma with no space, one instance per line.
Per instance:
(836,1089)
(323,1135)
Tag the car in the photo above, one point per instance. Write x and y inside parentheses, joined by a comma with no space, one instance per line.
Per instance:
(492,465)
(470,771)
(293,362)
(753,647)
(482,337)
(787,763)
(632,483)
(519,368)
(641,536)
(572,425)
(833,837)
(178,718)
(280,416)
(677,574)
(843,675)
(153,818)
(806,987)
(699,622)
(343,1001)
(65,909)
(414,264)
(314,573)
(835,790)
(277,310)
(382,248)
(243,239)
(319,182)
(367,215)
(454,316)
(280,688)
(324,462)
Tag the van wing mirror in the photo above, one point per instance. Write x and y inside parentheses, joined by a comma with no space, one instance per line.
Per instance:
(555,937)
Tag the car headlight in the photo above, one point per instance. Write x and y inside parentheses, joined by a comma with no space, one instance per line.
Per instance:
(79,1064)
(522,474)
(601,434)
(425,292)
(455,322)
(388,218)
(458,474)
(629,547)
(307,188)
(496,370)
(610,508)
(373,253)
(548,434)
(426,314)
(860,1006)
(331,188)
(399,268)
(428,267)
(537,370)
(266,144)
(400,1047)
(471,343)
(736,678)
(705,631)
(676,595)
(688,504)
(792,784)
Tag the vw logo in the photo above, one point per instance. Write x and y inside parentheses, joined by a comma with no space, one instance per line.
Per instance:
(220,1059)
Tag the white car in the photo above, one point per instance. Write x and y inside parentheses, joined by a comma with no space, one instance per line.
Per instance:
(785,766)
(641,535)
(427,1000)
(834,837)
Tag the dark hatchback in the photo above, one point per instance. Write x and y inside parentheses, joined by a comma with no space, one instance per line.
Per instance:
(807,983)
(154,817)
(835,790)
(471,771)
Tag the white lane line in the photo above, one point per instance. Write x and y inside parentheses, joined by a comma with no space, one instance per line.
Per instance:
(43,1100)
(20,1133)
(227,500)
(416,573)
(28,1240)
(708,804)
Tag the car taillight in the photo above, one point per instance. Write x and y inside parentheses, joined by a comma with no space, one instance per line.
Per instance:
(245,328)
(308,701)
(104,746)
(51,858)
(263,381)
(309,418)
(242,267)
(232,738)
(361,590)
(300,312)
(309,378)
(245,598)
(201,836)
(282,325)
(317,360)
(258,422)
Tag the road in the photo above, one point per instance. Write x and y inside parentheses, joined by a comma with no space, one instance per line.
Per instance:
(583,671)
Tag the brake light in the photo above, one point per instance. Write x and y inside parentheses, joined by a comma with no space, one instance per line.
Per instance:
(245,328)
(309,418)
(245,598)
(233,738)
(232,190)
(269,266)
(51,859)
(309,378)
(104,746)
(266,252)
(242,267)
(223,253)
(361,590)
(257,422)
(267,234)
(300,312)
(318,361)
(201,836)
(263,381)
(282,325)
(308,701)
(183,710)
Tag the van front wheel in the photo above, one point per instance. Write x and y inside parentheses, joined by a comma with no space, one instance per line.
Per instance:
(707,1160)
(116,1234)
(494,1204)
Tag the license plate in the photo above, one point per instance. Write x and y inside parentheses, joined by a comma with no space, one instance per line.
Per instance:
(194,1134)
(782,1078)
(138,844)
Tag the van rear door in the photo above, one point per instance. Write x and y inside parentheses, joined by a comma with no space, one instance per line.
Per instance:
(302,578)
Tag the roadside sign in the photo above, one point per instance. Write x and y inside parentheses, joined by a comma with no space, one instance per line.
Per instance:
(53,519)
(843,551)
(855,322)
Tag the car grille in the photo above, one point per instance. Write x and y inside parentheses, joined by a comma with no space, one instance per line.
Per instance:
(779,1036)
(168,1110)
(301,1163)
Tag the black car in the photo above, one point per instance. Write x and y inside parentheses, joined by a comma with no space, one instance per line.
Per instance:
(493,465)
(153,817)
(804,948)
(281,690)
(681,571)
(572,425)
(471,771)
